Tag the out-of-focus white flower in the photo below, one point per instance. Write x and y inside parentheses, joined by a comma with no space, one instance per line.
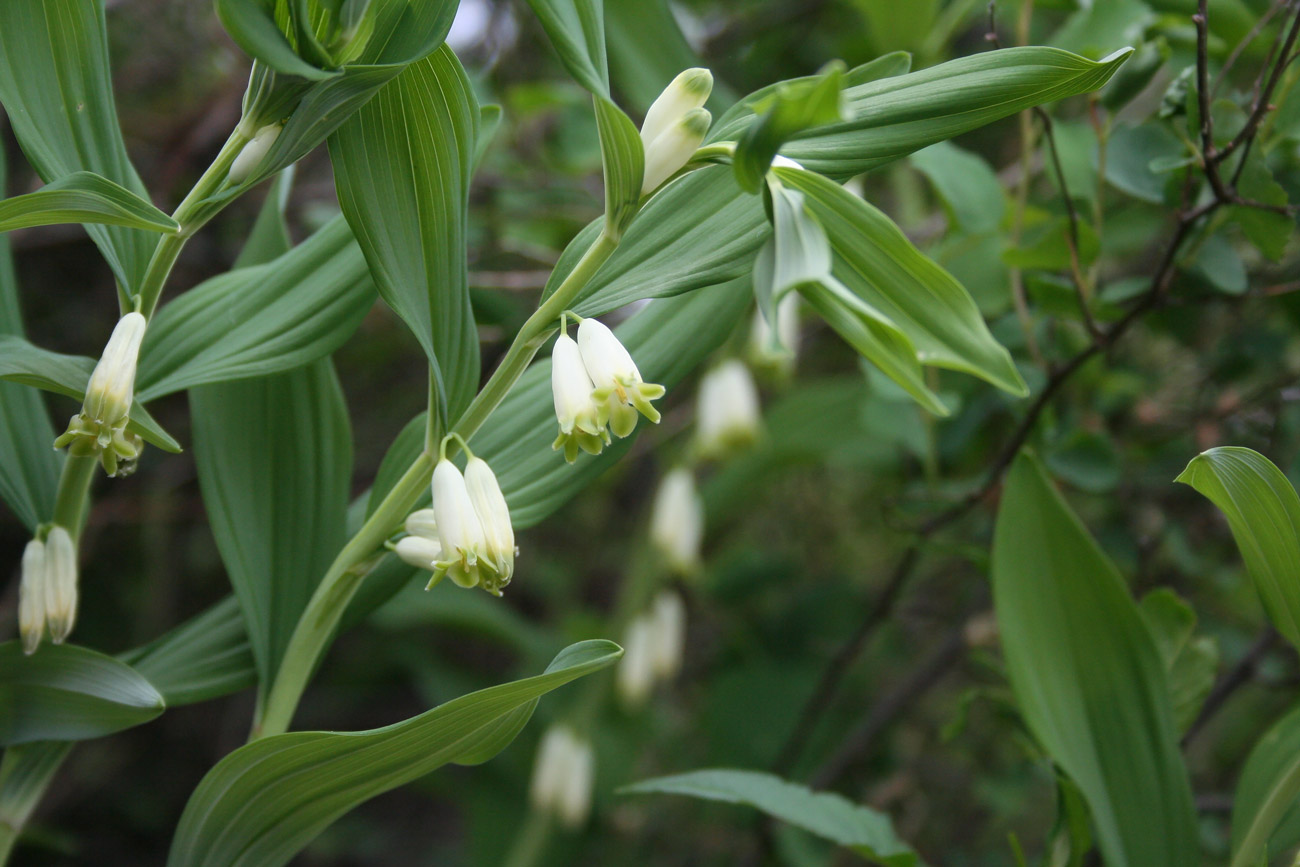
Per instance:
(497,564)
(100,427)
(688,91)
(563,774)
(253,153)
(727,416)
(775,348)
(673,147)
(418,551)
(31,596)
(460,535)
(579,415)
(60,583)
(636,676)
(677,521)
(669,617)
(617,382)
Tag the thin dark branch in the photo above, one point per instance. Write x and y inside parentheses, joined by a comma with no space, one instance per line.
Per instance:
(1072,214)
(1241,46)
(1236,677)
(907,692)
(1262,106)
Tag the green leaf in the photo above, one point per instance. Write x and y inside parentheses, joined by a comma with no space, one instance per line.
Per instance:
(402,167)
(25,773)
(265,801)
(1088,460)
(792,108)
(269,238)
(967,185)
(251,23)
(260,320)
(29,468)
(1087,676)
(646,51)
(69,693)
(667,339)
(576,29)
(274,459)
(22,362)
(826,814)
(1191,660)
(205,657)
(624,162)
(1266,806)
(1263,513)
(1267,230)
(56,88)
(892,117)
(874,259)
(489,121)
(83,197)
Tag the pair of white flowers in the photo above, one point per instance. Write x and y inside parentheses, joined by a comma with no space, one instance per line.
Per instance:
(597,388)
(563,775)
(100,428)
(653,648)
(47,593)
(674,126)
(467,535)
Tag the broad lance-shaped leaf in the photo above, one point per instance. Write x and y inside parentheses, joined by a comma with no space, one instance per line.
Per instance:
(1266,805)
(1191,660)
(265,801)
(69,693)
(791,108)
(56,88)
(259,320)
(402,168)
(25,772)
(623,157)
(83,197)
(879,264)
(826,814)
(274,458)
(205,657)
(29,468)
(24,363)
(1263,513)
(1087,676)
(577,30)
(890,118)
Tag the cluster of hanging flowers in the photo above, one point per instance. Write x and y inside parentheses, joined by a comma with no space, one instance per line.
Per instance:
(47,592)
(654,646)
(99,430)
(563,774)
(597,388)
(467,535)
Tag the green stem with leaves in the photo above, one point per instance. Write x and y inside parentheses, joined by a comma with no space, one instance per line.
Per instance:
(319,619)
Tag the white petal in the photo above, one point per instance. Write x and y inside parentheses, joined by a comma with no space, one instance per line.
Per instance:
(459,531)
(689,90)
(493,515)
(60,583)
(677,520)
(571,386)
(606,359)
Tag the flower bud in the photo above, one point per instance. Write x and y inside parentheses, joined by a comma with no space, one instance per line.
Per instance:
(674,147)
(497,565)
(618,384)
(677,521)
(636,674)
(574,803)
(31,596)
(100,427)
(727,416)
(419,552)
(60,583)
(581,425)
(423,523)
(252,154)
(669,618)
(774,349)
(689,90)
(563,773)
(460,535)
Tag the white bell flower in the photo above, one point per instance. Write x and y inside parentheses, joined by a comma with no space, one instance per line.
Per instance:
(689,90)
(252,154)
(100,427)
(669,616)
(674,147)
(636,674)
(460,535)
(618,384)
(563,774)
(727,416)
(677,521)
(31,596)
(418,551)
(574,804)
(497,557)
(579,415)
(60,583)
